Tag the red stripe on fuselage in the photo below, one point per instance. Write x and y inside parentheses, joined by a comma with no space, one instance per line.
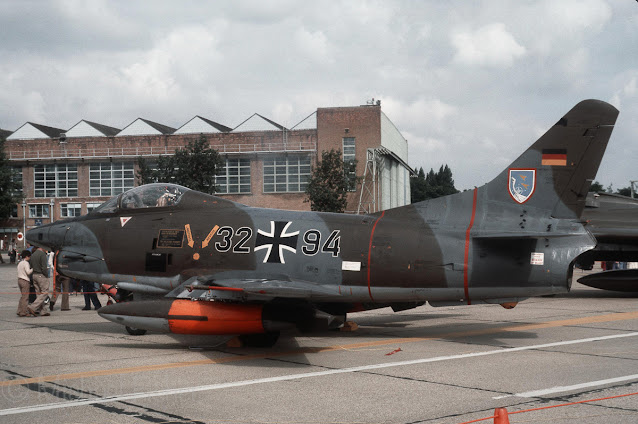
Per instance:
(467,251)
(370,251)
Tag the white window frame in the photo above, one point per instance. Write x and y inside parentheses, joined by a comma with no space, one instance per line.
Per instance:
(349,149)
(16,177)
(74,208)
(350,155)
(41,210)
(287,174)
(110,178)
(55,180)
(234,177)
(92,205)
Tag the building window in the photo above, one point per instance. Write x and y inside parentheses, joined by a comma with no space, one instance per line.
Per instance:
(349,153)
(286,174)
(69,210)
(38,211)
(91,206)
(16,178)
(234,177)
(14,211)
(349,162)
(55,180)
(110,178)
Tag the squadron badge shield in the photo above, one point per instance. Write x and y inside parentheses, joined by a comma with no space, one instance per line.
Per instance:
(522,183)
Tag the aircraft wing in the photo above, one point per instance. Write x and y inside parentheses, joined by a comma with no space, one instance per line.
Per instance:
(253,288)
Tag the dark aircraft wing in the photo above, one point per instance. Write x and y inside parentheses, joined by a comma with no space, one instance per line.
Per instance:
(255,288)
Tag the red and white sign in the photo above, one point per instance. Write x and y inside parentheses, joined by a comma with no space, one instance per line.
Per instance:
(20,236)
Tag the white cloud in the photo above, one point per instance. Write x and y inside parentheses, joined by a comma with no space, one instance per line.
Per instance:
(490,45)
(573,17)
(465,83)
(313,46)
(432,111)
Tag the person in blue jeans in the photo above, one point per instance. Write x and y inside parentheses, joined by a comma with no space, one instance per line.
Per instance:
(90,288)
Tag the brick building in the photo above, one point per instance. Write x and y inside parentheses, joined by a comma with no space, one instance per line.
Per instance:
(67,173)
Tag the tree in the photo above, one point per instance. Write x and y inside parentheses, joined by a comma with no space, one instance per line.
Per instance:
(432,185)
(596,187)
(626,191)
(418,187)
(330,182)
(9,187)
(194,167)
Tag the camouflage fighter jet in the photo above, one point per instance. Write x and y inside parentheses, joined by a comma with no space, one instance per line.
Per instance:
(213,266)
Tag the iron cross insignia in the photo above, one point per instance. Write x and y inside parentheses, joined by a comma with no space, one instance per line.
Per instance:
(276,241)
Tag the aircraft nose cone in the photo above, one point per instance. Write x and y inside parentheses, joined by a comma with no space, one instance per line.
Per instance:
(50,236)
(38,236)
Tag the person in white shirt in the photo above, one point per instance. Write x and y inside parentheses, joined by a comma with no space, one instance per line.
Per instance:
(24,274)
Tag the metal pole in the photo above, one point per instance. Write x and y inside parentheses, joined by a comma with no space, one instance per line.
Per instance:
(24,224)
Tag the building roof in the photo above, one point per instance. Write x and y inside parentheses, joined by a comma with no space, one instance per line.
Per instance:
(5,133)
(86,128)
(30,131)
(258,123)
(145,127)
(199,125)
(308,123)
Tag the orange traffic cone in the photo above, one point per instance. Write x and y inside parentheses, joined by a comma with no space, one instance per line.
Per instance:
(501,416)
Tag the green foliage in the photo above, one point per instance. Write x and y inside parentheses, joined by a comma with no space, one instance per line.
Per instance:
(596,187)
(330,182)
(432,185)
(194,167)
(8,186)
(626,191)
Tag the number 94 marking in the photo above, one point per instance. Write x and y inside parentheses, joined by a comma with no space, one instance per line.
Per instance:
(312,238)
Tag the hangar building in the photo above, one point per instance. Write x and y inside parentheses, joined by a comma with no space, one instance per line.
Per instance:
(69,172)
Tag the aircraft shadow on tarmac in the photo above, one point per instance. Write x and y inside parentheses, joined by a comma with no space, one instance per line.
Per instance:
(289,353)
(587,293)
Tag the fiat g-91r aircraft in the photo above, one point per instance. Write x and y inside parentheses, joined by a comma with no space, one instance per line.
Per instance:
(207,265)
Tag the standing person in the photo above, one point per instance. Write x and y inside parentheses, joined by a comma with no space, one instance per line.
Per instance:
(90,295)
(61,283)
(24,277)
(13,251)
(41,282)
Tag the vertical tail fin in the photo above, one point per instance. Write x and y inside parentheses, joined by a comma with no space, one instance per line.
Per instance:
(555,173)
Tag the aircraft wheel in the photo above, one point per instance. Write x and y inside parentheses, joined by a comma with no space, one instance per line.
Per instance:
(135,331)
(260,340)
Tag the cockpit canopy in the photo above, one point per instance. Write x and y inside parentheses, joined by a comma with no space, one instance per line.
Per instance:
(147,196)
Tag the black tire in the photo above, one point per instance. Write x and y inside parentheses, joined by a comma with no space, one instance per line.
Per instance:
(135,331)
(260,340)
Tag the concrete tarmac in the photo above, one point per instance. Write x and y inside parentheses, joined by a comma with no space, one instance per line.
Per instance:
(426,365)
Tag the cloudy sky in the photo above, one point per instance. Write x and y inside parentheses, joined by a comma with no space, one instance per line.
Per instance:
(468,83)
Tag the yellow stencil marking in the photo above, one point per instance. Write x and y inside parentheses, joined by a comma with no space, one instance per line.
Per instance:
(191,243)
(210,236)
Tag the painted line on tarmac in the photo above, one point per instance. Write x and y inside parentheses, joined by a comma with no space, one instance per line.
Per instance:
(242,383)
(560,389)
(619,316)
